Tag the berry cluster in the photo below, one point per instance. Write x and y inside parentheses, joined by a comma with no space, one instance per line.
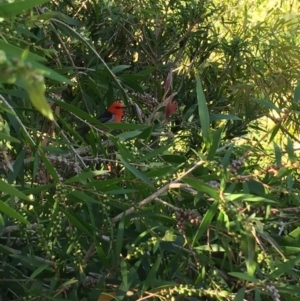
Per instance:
(148,100)
(236,165)
(69,167)
(274,292)
(185,216)
(91,281)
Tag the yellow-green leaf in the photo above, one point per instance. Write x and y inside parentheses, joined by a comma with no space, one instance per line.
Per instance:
(36,92)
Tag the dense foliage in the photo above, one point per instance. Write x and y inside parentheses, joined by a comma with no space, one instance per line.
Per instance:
(195,195)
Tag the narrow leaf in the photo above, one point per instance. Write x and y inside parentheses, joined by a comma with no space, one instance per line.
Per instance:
(202,187)
(76,223)
(203,111)
(119,68)
(10,9)
(216,142)
(151,275)
(239,296)
(5,137)
(267,104)
(290,150)
(14,51)
(214,117)
(36,92)
(12,213)
(137,173)
(278,154)
(206,221)
(120,237)
(10,190)
(297,93)
(86,175)
(39,270)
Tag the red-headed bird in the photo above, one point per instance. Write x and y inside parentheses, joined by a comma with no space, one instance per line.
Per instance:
(113,114)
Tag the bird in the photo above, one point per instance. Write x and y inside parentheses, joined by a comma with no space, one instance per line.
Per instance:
(113,114)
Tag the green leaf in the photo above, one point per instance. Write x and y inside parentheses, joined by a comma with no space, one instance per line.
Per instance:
(55,150)
(119,68)
(226,159)
(49,167)
(275,131)
(86,175)
(160,172)
(120,237)
(76,223)
(64,18)
(123,151)
(14,51)
(104,184)
(290,150)
(267,104)
(203,112)
(215,144)
(5,137)
(129,135)
(39,270)
(68,283)
(215,117)
(155,153)
(233,197)
(17,167)
(202,187)
(36,92)
(283,171)
(50,73)
(32,261)
(146,133)
(11,212)
(79,196)
(124,273)
(206,221)
(10,190)
(257,295)
(297,93)
(284,268)
(102,256)
(151,275)
(251,264)
(239,296)
(266,236)
(147,71)
(137,173)
(10,9)
(189,112)
(278,154)
(39,189)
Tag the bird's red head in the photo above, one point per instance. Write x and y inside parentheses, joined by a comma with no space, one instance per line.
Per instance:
(117,109)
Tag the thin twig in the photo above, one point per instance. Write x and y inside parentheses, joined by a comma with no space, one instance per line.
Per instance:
(155,194)
(166,203)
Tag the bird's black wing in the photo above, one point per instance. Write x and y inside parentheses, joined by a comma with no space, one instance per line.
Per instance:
(105,117)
